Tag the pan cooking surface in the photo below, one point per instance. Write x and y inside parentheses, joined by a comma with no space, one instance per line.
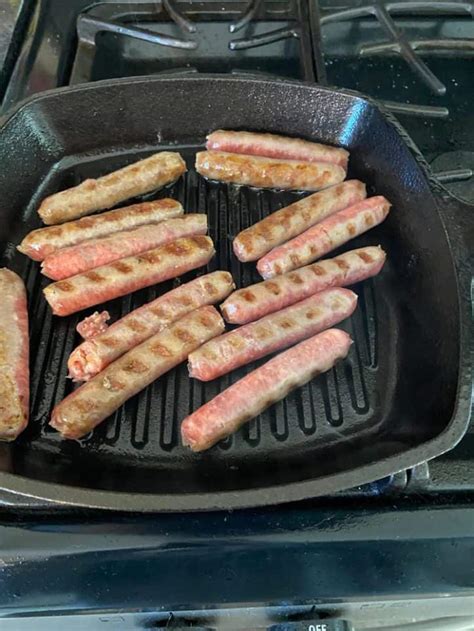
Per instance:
(395,391)
(330,410)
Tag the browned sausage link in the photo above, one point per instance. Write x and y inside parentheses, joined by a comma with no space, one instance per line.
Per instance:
(271,333)
(130,274)
(42,242)
(288,222)
(256,301)
(92,195)
(325,236)
(96,252)
(267,172)
(94,355)
(14,354)
(97,399)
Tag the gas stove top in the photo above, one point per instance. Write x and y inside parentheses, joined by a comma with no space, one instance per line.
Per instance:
(415,57)
(383,554)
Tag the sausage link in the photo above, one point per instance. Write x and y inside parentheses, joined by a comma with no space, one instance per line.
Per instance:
(286,223)
(40,243)
(271,333)
(97,399)
(92,254)
(256,301)
(275,146)
(92,195)
(14,356)
(267,172)
(95,354)
(129,274)
(325,236)
(262,388)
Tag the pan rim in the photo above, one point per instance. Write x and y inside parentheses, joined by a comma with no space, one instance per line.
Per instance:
(243,498)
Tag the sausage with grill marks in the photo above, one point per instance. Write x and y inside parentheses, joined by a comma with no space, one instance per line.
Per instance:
(95,354)
(129,274)
(268,172)
(97,399)
(40,243)
(256,301)
(325,236)
(104,192)
(286,223)
(92,254)
(263,387)
(14,356)
(271,333)
(275,146)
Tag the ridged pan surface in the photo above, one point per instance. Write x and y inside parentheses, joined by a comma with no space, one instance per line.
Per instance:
(392,403)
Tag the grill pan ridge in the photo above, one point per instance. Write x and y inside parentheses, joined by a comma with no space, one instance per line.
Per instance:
(401,397)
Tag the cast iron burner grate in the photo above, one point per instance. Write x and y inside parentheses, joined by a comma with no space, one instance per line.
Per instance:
(139,38)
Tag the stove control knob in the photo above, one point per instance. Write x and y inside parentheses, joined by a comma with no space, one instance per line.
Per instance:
(316,625)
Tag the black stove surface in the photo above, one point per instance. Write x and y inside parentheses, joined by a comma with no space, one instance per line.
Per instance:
(415,57)
(388,554)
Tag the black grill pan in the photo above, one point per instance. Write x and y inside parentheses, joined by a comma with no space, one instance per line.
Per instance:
(403,395)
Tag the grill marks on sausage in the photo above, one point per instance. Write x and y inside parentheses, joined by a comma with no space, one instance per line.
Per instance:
(160,350)
(90,404)
(121,267)
(248,296)
(262,387)
(135,366)
(92,195)
(64,285)
(365,257)
(129,274)
(184,336)
(323,237)
(273,288)
(267,172)
(286,289)
(135,325)
(43,242)
(271,333)
(133,329)
(95,277)
(288,222)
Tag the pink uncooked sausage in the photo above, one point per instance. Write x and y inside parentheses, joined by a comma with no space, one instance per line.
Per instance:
(129,274)
(95,354)
(97,399)
(40,243)
(91,254)
(286,223)
(268,172)
(263,387)
(325,236)
(256,301)
(271,333)
(14,356)
(275,146)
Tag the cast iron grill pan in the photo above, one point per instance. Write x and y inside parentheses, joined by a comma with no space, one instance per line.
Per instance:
(388,406)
